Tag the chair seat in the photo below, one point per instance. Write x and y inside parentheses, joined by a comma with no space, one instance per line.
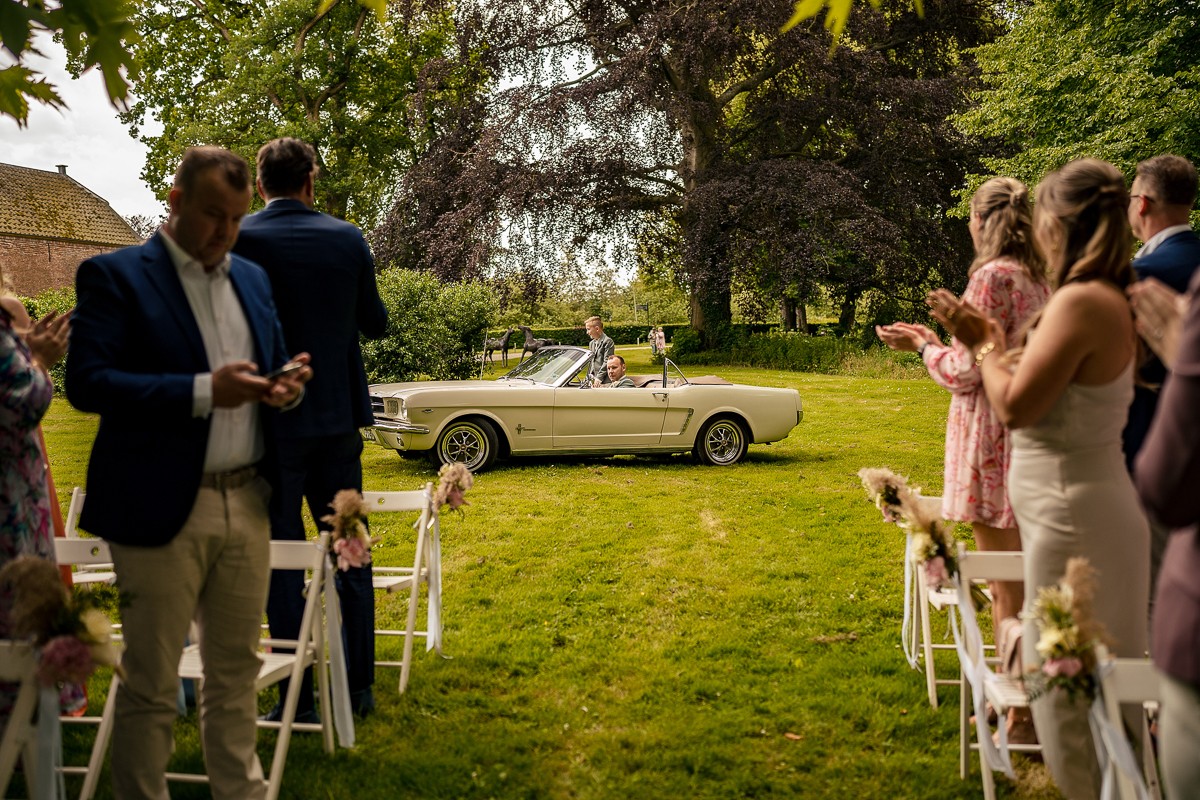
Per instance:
(1005,693)
(274,667)
(88,577)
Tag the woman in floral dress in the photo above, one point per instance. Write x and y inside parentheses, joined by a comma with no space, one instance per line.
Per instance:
(1008,283)
(26,353)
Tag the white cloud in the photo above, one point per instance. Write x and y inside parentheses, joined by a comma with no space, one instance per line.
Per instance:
(86,136)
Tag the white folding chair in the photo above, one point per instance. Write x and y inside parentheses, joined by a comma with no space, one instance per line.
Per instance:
(85,553)
(426,569)
(919,601)
(275,666)
(90,572)
(979,684)
(1130,681)
(18,664)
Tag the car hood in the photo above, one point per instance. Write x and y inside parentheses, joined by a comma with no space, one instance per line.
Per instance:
(412,387)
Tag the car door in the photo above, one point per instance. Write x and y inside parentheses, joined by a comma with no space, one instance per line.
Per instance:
(608,419)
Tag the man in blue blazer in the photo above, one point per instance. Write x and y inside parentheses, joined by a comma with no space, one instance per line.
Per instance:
(1160,201)
(323,277)
(167,342)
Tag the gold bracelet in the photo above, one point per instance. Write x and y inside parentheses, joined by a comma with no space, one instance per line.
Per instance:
(983,353)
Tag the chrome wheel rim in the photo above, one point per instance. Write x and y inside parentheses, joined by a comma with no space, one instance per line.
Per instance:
(723,442)
(464,445)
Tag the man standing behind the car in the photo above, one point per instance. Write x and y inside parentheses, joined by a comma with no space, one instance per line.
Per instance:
(601,348)
(323,277)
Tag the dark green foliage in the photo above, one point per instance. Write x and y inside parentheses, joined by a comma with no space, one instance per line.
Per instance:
(62,301)
(791,351)
(434,328)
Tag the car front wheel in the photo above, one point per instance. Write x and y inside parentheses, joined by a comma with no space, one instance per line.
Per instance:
(470,442)
(722,442)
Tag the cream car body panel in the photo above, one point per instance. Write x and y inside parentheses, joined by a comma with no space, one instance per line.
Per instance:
(539,408)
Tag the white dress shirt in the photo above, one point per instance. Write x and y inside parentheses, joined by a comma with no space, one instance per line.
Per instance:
(235,438)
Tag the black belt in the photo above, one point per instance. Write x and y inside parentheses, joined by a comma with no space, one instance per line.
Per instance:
(232,479)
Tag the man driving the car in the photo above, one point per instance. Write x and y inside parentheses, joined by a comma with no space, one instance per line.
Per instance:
(616,375)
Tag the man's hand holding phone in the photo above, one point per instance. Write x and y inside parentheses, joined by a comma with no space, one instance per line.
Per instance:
(287,382)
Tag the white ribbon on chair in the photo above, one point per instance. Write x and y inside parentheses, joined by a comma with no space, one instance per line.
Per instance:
(908,627)
(48,781)
(1113,746)
(433,620)
(339,679)
(977,673)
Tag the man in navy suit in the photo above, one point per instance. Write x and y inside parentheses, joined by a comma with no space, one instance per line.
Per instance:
(167,342)
(1160,201)
(323,277)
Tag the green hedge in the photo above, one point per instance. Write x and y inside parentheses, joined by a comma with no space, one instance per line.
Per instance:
(779,350)
(434,329)
(62,301)
(620,334)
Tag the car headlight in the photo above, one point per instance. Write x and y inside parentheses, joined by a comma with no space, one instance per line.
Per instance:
(394,407)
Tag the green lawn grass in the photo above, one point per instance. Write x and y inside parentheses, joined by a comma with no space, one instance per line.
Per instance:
(645,627)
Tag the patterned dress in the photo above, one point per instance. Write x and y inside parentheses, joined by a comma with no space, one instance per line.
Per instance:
(25,393)
(977,443)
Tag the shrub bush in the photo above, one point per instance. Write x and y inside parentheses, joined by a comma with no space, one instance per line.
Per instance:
(831,355)
(434,329)
(62,301)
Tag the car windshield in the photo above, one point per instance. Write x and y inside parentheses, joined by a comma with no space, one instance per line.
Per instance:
(546,366)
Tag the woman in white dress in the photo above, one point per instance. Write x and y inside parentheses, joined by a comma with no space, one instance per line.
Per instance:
(1066,401)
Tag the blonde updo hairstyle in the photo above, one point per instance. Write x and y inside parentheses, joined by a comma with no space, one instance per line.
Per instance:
(1006,226)
(1081,223)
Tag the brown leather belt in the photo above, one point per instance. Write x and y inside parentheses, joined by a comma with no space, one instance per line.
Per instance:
(233,479)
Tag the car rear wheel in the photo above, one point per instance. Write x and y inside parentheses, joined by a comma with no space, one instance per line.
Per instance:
(471,442)
(722,442)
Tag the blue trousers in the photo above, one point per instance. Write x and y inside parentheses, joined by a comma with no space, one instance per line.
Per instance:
(315,469)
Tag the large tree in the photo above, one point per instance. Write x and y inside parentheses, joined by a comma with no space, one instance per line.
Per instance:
(1074,78)
(745,154)
(338,74)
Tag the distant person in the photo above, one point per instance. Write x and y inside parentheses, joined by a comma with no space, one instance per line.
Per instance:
(1160,200)
(616,375)
(660,340)
(601,348)
(171,343)
(652,338)
(323,277)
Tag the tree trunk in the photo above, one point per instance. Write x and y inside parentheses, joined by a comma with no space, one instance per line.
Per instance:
(787,313)
(802,318)
(846,317)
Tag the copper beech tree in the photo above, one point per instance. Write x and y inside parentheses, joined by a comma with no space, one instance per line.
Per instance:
(699,138)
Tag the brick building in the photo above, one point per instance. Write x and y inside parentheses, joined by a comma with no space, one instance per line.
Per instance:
(48,225)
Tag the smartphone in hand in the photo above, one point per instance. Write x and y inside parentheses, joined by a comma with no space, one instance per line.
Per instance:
(286,369)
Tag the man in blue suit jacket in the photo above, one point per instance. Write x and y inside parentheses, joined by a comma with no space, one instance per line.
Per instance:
(323,278)
(1160,201)
(167,341)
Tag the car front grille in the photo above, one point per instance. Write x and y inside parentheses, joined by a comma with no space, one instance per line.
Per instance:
(376,405)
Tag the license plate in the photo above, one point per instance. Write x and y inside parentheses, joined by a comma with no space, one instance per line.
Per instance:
(368,435)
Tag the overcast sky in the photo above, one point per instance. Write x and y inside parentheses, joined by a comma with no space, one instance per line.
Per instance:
(86,136)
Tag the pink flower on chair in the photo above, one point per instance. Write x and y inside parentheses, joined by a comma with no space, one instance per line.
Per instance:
(935,572)
(64,659)
(1064,667)
(352,553)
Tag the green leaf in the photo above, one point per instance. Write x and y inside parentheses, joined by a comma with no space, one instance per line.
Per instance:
(805,9)
(17,85)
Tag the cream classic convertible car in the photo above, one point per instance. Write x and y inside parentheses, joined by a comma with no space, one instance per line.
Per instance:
(542,408)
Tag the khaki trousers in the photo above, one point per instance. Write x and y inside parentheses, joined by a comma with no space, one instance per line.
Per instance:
(216,571)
